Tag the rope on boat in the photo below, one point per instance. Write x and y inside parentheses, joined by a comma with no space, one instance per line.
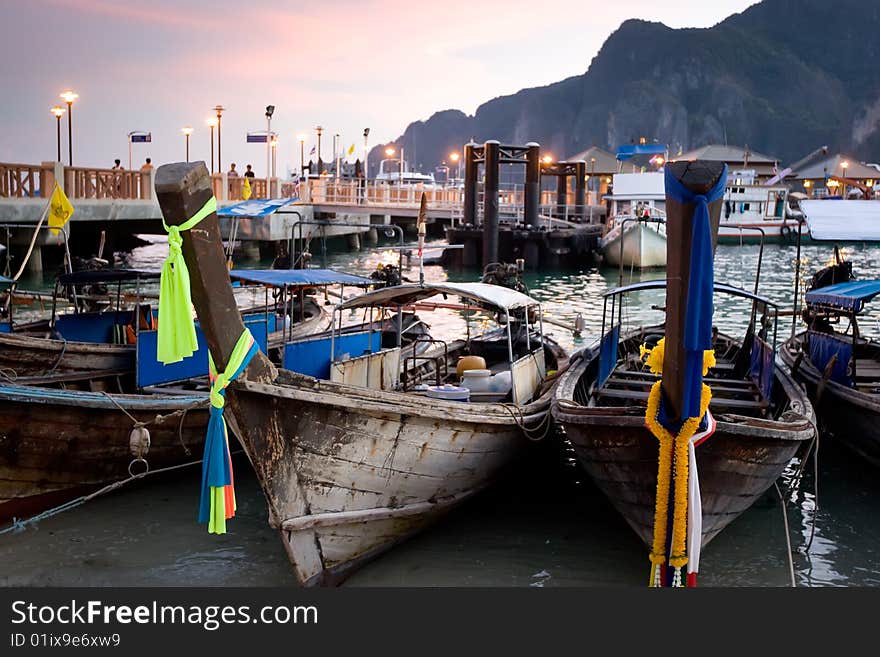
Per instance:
(787,537)
(19,525)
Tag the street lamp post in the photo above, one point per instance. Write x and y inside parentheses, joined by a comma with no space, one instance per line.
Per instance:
(270,110)
(68,97)
(212,123)
(302,155)
(319,130)
(366,170)
(455,158)
(187,131)
(274,154)
(336,154)
(219,109)
(843,165)
(58,111)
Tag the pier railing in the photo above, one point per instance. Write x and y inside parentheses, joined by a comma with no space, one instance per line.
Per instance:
(21,180)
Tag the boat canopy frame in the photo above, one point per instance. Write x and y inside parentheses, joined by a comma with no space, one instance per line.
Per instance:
(396,297)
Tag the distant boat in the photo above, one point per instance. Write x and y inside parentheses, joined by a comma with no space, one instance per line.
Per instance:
(750,209)
(389,174)
(636,231)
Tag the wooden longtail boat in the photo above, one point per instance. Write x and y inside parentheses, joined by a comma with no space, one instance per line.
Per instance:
(102,343)
(58,444)
(763,420)
(349,470)
(839,366)
(760,417)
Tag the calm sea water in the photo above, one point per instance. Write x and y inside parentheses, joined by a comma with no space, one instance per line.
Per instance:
(545,525)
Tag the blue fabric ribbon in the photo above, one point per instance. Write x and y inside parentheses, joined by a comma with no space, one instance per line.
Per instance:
(699,309)
(216,468)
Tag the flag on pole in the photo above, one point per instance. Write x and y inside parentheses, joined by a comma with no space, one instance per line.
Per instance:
(60,210)
(312,152)
(246,189)
(351,150)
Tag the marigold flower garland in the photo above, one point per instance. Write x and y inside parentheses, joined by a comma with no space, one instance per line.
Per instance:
(677,447)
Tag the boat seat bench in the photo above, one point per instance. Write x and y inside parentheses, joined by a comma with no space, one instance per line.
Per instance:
(717,402)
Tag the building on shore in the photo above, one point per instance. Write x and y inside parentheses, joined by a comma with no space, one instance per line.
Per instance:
(601,167)
(835,175)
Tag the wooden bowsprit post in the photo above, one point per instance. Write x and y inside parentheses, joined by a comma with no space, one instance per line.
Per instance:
(182,189)
(678,404)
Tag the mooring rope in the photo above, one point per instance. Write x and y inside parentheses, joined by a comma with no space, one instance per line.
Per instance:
(787,534)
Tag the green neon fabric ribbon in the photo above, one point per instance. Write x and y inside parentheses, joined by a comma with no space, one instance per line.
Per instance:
(176,330)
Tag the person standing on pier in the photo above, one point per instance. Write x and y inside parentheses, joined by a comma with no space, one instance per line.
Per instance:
(232,172)
(147,166)
(117,165)
(250,172)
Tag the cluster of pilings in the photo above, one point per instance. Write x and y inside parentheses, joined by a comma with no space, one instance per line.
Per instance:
(491,155)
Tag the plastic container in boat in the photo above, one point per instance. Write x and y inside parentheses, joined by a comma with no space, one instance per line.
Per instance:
(485,386)
(449,392)
(470,363)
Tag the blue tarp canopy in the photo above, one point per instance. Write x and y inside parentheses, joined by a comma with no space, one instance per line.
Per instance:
(629,151)
(256,208)
(847,296)
(293,277)
(6,281)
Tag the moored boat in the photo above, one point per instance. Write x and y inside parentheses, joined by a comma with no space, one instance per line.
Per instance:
(636,233)
(361,452)
(763,420)
(682,426)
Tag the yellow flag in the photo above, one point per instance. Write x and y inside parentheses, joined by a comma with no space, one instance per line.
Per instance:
(246,188)
(351,150)
(60,210)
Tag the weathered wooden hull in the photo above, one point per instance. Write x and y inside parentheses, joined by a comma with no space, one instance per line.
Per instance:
(57,444)
(736,465)
(349,472)
(643,247)
(29,356)
(852,416)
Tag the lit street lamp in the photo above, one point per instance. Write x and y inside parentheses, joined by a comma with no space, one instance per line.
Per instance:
(219,109)
(212,123)
(270,110)
(187,131)
(366,169)
(68,97)
(455,158)
(58,111)
(319,130)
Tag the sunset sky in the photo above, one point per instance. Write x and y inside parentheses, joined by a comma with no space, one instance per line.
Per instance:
(157,65)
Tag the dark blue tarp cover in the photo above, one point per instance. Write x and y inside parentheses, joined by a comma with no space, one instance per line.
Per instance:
(6,281)
(847,296)
(608,354)
(823,347)
(254,208)
(631,150)
(282,277)
(761,370)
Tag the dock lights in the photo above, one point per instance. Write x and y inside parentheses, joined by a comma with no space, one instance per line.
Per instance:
(219,110)
(547,159)
(187,131)
(68,97)
(212,123)
(58,111)
(389,151)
